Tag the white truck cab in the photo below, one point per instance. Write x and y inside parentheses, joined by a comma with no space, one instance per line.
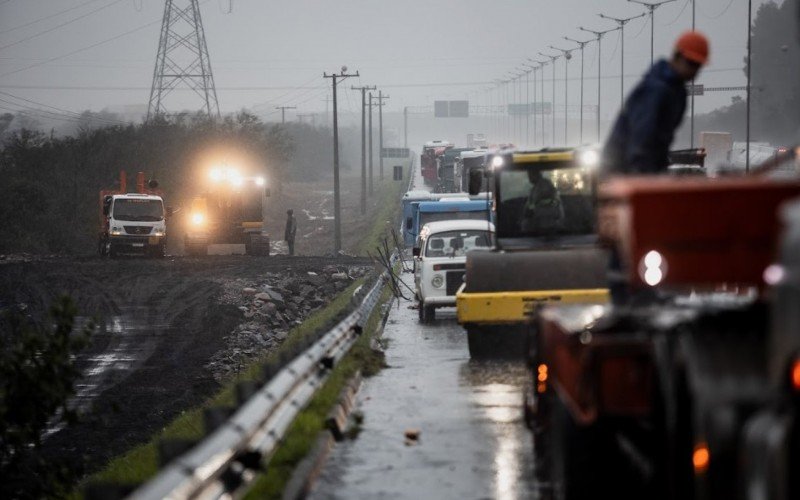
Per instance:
(134,223)
(440,258)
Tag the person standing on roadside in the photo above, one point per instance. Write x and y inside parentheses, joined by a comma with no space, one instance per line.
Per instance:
(645,127)
(291,230)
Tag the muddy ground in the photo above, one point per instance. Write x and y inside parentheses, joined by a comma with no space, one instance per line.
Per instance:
(163,324)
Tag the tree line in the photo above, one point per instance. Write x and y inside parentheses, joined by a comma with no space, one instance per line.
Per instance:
(50,202)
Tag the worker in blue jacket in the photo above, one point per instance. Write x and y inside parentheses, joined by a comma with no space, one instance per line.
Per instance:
(645,128)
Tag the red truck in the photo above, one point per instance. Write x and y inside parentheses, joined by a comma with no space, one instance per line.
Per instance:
(429,160)
(692,389)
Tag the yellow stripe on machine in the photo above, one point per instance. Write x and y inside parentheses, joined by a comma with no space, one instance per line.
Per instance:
(252,225)
(543,157)
(515,307)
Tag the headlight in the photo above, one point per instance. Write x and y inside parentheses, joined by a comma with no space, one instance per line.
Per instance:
(216,174)
(590,158)
(653,268)
(198,218)
(116,231)
(260,181)
(437,281)
(159,232)
(497,162)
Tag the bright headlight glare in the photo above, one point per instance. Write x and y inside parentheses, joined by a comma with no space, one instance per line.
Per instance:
(216,174)
(198,218)
(590,158)
(653,268)
(260,181)
(653,259)
(158,232)
(437,281)
(237,181)
(497,161)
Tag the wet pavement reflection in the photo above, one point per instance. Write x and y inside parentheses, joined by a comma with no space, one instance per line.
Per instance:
(473,442)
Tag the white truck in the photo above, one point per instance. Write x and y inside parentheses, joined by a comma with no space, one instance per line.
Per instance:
(133,223)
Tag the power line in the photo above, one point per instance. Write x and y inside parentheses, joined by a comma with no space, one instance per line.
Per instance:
(60,110)
(717,16)
(65,23)
(31,23)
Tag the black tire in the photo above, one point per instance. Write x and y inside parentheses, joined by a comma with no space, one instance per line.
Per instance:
(430,314)
(421,311)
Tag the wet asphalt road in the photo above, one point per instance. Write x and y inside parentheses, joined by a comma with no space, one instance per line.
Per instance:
(473,441)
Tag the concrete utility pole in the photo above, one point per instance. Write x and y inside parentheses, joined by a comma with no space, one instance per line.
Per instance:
(337,205)
(363,146)
(530,69)
(283,112)
(599,38)
(542,64)
(582,44)
(567,56)
(371,184)
(381,97)
(553,103)
(651,7)
(622,22)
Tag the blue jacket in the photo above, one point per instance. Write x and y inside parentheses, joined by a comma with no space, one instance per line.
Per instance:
(644,130)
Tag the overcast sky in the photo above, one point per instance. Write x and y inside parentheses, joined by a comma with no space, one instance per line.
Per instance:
(96,54)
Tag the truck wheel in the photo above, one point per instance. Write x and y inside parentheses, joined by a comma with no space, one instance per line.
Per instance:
(429,314)
(420,311)
(476,344)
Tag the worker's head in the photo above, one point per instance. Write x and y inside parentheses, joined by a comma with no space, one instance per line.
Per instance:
(289,212)
(691,54)
(534,176)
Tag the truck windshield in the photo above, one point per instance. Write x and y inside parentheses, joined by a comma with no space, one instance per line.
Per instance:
(457,243)
(549,203)
(138,210)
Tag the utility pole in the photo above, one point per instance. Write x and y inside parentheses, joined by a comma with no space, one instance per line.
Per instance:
(599,38)
(651,7)
(553,61)
(582,44)
(749,68)
(283,112)
(531,69)
(381,97)
(337,206)
(622,22)
(369,104)
(182,58)
(541,90)
(567,57)
(363,146)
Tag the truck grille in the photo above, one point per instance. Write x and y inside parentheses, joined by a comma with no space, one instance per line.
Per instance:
(138,229)
(453,281)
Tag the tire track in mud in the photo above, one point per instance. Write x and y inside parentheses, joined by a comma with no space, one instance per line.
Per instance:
(160,324)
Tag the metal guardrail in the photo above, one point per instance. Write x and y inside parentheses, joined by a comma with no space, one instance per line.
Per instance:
(230,457)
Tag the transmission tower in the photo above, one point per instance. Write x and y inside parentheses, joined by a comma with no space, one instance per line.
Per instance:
(182,58)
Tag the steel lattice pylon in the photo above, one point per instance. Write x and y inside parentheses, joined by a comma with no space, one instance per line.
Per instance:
(182,58)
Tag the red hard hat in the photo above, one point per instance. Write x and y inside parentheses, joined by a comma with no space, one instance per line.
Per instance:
(693,46)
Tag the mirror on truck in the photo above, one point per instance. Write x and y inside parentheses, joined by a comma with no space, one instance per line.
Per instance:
(106,205)
(475,181)
(415,252)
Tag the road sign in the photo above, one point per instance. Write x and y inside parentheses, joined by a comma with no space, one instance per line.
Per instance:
(395,153)
(696,89)
(451,109)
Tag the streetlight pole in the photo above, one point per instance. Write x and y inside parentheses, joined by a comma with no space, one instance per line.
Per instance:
(749,68)
(528,110)
(599,38)
(651,7)
(337,206)
(553,61)
(622,22)
(363,146)
(381,98)
(567,56)
(582,45)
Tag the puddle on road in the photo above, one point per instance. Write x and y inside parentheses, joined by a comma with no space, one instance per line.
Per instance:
(131,341)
